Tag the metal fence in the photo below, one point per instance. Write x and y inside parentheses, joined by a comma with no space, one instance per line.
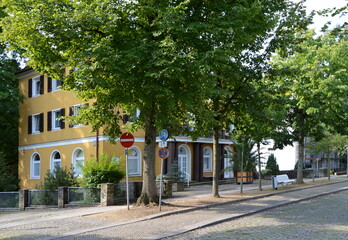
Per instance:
(43,197)
(120,193)
(9,200)
(83,195)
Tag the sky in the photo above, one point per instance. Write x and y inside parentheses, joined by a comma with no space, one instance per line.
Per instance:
(286,158)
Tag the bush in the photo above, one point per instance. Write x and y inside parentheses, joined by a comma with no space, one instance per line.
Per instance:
(272,165)
(101,170)
(58,178)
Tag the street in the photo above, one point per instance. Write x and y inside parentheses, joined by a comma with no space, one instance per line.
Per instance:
(321,218)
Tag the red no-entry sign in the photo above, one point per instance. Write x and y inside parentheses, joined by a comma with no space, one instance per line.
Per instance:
(127,140)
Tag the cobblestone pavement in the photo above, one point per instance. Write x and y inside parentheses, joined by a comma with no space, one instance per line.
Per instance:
(77,227)
(321,218)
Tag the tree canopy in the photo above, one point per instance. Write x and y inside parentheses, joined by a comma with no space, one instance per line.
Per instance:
(313,80)
(9,100)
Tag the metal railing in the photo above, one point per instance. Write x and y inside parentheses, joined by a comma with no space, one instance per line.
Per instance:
(43,197)
(83,195)
(9,200)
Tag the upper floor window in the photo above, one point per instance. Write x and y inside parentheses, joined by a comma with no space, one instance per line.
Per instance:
(207,159)
(53,119)
(35,123)
(53,85)
(36,86)
(35,166)
(74,111)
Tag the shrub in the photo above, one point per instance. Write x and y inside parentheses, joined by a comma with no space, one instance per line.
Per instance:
(101,170)
(58,178)
(272,165)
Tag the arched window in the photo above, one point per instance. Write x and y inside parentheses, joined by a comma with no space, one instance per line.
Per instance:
(35,166)
(228,173)
(134,162)
(56,160)
(207,159)
(78,161)
(184,160)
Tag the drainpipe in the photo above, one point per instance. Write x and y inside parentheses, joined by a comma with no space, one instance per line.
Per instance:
(97,144)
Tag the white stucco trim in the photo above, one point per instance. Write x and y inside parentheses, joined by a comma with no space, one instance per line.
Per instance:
(70,142)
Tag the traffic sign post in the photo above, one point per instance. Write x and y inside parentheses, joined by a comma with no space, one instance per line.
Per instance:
(127,140)
(163,135)
(162,153)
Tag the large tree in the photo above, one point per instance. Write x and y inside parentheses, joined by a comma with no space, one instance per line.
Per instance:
(238,61)
(313,80)
(9,100)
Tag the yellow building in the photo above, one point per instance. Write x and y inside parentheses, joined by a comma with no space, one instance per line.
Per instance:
(46,142)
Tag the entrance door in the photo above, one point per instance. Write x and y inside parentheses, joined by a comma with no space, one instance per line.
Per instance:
(183,162)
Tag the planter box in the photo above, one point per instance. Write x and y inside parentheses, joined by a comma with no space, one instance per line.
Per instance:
(178,186)
(245,177)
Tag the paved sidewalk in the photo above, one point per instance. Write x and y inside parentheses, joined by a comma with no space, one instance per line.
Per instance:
(65,222)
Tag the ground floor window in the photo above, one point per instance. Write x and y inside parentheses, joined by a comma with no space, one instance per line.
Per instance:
(78,161)
(228,172)
(134,162)
(207,159)
(35,166)
(56,160)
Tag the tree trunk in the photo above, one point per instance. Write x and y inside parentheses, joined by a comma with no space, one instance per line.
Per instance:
(300,157)
(216,162)
(259,164)
(148,192)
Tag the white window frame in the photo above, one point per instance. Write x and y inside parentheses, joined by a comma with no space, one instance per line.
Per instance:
(34,162)
(227,163)
(36,86)
(35,123)
(75,160)
(53,160)
(209,158)
(54,120)
(188,161)
(136,158)
(75,113)
(54,85)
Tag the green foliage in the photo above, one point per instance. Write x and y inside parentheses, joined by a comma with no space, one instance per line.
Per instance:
(244,158)
(9,99)
(59,177)
(174,173)
(101,170)
(272,166)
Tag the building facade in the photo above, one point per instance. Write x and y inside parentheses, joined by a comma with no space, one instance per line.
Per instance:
(47,141)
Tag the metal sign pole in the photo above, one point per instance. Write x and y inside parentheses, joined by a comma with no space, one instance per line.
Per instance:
(160,193)
(127,189)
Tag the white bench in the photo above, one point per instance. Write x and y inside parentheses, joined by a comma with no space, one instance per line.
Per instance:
(284,179)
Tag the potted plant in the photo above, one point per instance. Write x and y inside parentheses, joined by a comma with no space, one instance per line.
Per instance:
(244,160)
(177,177)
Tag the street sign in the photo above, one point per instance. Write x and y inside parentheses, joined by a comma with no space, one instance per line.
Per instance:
(163,153)
(163,135)
(162,144)
(127,140)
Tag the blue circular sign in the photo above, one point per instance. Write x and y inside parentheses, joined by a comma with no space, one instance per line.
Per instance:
(163,135)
